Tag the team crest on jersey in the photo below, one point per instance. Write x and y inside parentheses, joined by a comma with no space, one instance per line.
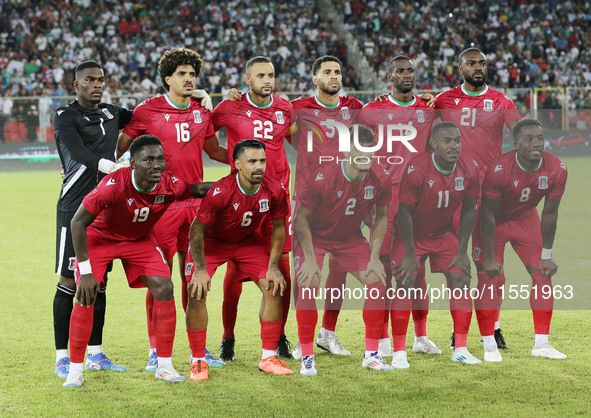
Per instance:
(368,193)
(188,269)
(345,113)
(263,205)
(488,105)
(129,201)
(459,183)
(159,199)
(420,116)
(72,263)
(543,182)
(279,116)
(166,116)
(107,113)
(197,116)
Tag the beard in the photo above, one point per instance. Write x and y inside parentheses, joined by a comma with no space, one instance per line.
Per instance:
(476,83)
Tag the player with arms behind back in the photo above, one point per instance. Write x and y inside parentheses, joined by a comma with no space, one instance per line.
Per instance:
(514,185)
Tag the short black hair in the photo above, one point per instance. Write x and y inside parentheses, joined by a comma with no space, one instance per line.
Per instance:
(84,65)
(467,51)
(256,60)
(522,124)
(365,135)
(141,142)
(172,58)
(327,58)
(398,58)
(442,125)
(246,143)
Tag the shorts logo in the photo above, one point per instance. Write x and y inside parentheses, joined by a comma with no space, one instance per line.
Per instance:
(368,193)
(345,112)
(188,269)
(296,262)
(279,116)
(72,263)
(488,105)
(420,116)
(263,205)
(459,183)
(159,199)
(393,263)
(476,255)
(543,182)
(107,113)
(197,116)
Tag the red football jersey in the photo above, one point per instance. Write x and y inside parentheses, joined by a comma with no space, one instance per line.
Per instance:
(434,195)
(339,204)
(480,117)
(126,213)
(519,190)
(244,119)
(309,113)
(391,112)
(234,215)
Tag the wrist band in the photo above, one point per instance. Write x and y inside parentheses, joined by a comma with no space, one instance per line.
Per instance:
(546,254)
(84,267)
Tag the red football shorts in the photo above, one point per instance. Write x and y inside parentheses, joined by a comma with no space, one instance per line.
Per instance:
(266,229)
(524,234)
(440,250)
(139,258)
(251,259)
(172,229)
(349,256)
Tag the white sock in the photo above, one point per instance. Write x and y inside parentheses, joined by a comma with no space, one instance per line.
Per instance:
(152,351)
(76,368)
(164,361)
(541,339)
(324,333)
(370,353)
(489,342)
(194,359)
(93,350)
(384,341)
(268,353)
(421,339)
(497,325)
(60,354)
(452,327)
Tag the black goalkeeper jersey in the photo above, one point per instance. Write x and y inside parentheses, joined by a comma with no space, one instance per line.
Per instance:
(83,136)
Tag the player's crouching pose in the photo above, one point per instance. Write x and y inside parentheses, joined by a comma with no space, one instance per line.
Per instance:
(331,209)
(226,229)
(433,187)
(514,185)
(115,221)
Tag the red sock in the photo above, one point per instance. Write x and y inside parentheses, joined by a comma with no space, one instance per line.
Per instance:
(150,318)
(385,331)
(541,301)
(420,306)
(400,314)
(232,292)
(197,339)
(165,326)
(270,331)
(486,303)
(461,312)
(500,284)
(81,322)
(285,269)
(332,308)
(373,315)
(307,317)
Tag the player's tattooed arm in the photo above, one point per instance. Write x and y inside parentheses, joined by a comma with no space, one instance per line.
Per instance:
(200,189)
(379,232)
(274,276)
(88,287)
(200,283)
(548,226)
(409,264)
(214,150)
(461,259)
(488,225)
(309,273)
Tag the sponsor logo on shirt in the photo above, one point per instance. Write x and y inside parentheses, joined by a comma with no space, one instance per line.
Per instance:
(236,206)
(319,176)
(340,193)
(430,183)
(390,115)
(499,167)
(248,112)
(316,111)
(59,112)
(543,182)
(107,113)
(410,169)
(515,183)
(197,116)
(368,193)
(263,205)
(166,116)
(457,101)
(174,179)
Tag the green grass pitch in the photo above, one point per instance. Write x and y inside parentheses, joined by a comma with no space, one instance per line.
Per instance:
(519,386)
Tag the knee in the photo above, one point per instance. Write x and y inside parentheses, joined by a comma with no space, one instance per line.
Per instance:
(162,288)
(68,282)
(460,282)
